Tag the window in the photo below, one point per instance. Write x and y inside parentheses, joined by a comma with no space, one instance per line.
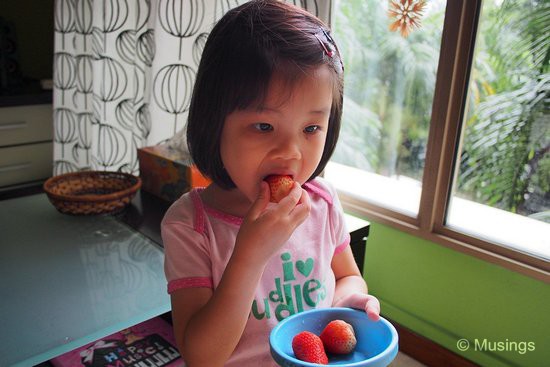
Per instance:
(390,81)
(445,140)
(502,189)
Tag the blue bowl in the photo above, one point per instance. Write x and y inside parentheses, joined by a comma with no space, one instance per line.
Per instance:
(377,341)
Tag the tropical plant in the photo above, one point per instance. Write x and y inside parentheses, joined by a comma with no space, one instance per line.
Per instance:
(389,87)
(506,160)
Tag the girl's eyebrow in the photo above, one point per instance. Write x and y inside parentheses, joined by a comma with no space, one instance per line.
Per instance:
(262,108)
(320,111)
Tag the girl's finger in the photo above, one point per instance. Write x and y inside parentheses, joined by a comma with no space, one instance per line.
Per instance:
(261,201)
(372,308)
(289,202)
(301,210)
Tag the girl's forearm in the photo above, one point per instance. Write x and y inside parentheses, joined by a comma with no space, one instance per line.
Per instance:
(213,332)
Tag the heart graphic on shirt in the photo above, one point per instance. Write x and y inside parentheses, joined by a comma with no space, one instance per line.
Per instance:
(305,267)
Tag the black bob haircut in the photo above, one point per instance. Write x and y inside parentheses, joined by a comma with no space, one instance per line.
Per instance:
(245,48)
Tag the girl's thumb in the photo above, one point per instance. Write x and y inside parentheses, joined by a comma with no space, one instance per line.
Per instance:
(262,200)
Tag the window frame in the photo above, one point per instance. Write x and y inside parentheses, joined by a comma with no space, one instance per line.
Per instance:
(443,145)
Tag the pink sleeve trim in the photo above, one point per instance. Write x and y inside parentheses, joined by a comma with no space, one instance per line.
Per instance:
(341,247)
(196,282)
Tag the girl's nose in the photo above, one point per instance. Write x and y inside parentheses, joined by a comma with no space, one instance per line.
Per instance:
(287,148)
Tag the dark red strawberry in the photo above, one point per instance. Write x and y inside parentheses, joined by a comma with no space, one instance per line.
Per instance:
(279,186)
(339,337)
(308,347)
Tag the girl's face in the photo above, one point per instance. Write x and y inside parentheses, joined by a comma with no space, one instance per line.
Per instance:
(285,136)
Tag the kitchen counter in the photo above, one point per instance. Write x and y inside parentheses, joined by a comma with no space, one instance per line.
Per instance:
(68,280)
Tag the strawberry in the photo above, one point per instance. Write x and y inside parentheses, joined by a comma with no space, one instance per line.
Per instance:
(339,337)
(308,347)
(279,186)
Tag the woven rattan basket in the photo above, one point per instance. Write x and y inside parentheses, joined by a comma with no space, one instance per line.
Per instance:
(91,192)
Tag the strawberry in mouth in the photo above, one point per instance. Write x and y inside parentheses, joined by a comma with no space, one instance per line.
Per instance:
(279,186)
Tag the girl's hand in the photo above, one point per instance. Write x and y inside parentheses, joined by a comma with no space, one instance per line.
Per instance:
(266,227)
(362,301)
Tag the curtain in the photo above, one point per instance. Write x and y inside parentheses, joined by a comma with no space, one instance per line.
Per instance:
(124,72)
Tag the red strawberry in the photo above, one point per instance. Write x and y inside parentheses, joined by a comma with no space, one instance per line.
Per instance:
(308,347)
(279,186)
(339,337)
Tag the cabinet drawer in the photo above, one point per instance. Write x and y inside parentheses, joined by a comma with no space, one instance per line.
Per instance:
(25,163)
(25,124)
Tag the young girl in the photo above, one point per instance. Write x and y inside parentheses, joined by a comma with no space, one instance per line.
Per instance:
(267,101)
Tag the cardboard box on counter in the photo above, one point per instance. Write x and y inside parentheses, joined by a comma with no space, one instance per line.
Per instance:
(166,173)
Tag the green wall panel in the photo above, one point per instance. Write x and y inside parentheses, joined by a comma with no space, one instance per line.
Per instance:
(446,296)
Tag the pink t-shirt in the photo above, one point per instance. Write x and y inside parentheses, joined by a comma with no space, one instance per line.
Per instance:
(198,242)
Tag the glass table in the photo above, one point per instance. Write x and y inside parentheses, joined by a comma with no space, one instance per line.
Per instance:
(66,281)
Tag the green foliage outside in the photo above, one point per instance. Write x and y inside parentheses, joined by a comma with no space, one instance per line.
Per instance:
(389,90)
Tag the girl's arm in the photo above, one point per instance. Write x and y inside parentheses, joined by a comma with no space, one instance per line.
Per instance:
(209,323)
(351,289)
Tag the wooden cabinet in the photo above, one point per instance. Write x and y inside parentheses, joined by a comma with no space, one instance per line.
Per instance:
(26,148)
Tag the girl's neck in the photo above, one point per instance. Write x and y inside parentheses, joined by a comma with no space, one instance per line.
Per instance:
(231,202)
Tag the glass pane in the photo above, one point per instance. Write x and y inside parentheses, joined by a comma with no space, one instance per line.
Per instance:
(389,86)
(68,280)
(502,189)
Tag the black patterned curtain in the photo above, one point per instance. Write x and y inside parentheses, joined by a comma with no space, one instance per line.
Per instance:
(123,75)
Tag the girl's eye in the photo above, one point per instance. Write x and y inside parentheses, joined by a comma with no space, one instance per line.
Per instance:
(311,129)
(263,126)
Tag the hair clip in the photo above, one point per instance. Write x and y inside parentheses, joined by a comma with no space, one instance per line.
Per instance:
(327,35)
(329,53)
(330,48)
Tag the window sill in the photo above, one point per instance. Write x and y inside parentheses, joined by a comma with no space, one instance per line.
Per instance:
(519,243)
(401,194)
(508,229)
